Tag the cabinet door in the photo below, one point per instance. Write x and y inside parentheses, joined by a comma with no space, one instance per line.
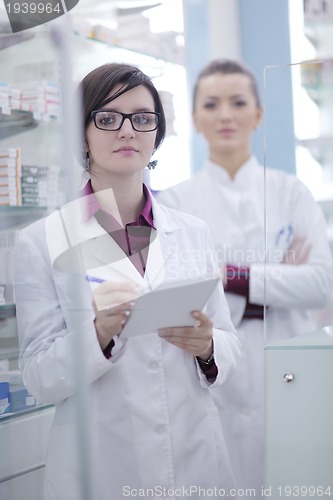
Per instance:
(299,414)
(25,439)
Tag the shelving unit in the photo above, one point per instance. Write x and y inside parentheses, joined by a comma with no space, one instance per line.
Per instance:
(30,128)
(311,44)
(311,33)
(30,131)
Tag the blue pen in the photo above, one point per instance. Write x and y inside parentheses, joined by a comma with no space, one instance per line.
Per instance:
(290,233)
(278,236)
(93,279)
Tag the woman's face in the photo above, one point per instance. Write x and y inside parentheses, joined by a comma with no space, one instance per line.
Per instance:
(226,113)
(124,151)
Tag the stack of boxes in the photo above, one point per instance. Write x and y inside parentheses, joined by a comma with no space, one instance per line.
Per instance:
(10,176)
(14,396)
(4,395)
(2,295)
(4,387)
(5,98)
(8,240)
(40,186)
(40,98)
(27,185)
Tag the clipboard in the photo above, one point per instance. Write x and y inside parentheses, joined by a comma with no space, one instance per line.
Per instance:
(168,305)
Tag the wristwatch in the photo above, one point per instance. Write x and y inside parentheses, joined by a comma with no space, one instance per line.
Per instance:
(208,362)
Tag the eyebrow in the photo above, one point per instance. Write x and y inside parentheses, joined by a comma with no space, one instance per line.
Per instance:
(234,96)
(138,110)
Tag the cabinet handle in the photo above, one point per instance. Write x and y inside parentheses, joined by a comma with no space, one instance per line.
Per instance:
(288,377)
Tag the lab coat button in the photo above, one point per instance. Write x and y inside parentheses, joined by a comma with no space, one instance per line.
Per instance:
(160,429)
(236,236)
(153,365)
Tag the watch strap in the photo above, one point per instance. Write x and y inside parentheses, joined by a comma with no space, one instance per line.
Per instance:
(209,362)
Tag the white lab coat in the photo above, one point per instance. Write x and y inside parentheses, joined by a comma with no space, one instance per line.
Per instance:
(151,420)
(235,212)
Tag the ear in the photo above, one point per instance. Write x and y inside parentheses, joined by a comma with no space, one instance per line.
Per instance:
(260,112)
(85,146)
(196,122)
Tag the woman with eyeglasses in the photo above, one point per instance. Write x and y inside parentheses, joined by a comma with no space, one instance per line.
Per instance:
(152,426)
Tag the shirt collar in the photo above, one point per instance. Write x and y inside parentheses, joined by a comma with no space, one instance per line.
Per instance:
(92,206)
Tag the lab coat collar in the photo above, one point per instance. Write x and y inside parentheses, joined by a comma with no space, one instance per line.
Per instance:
(99,246)
(244,176)
(161,217)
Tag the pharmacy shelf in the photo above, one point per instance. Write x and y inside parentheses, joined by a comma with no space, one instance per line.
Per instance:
(26,411)
(7,311)
(13,216)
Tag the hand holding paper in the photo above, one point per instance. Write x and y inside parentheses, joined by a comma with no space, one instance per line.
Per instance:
(167,306)
(196,340)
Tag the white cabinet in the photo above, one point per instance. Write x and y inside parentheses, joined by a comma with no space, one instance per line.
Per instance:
(299,416)
(23,444)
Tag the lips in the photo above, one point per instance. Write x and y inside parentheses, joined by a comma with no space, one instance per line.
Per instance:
(227,131)
(126,148)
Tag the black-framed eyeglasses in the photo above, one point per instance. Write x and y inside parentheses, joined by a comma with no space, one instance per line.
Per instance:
(144,121)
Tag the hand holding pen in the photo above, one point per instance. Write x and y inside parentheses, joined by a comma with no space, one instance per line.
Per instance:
(94,279)
(110,294)
(112,304)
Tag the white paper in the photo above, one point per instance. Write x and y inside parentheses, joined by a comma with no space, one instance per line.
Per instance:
(168,306)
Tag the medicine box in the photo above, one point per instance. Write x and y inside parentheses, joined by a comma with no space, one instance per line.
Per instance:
(4,398)
(20,398)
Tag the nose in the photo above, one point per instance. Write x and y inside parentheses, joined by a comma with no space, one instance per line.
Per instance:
(126,130)
(225,112)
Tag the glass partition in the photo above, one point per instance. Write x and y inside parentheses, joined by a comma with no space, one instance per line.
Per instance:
(35,178)
(299,201)
(47,335)
(298,284)
(39,151)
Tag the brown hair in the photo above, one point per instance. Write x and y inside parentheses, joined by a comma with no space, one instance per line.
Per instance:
(226,67)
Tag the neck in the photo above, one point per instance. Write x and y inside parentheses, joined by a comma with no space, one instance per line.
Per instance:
(123,198)
(230,162)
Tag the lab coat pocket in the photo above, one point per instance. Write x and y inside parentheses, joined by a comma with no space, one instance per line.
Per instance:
(278,242)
